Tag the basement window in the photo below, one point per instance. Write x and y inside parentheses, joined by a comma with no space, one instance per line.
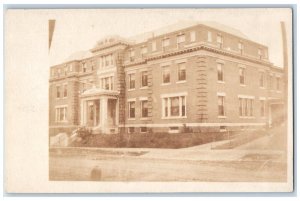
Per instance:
(223,129)
(174,129)
(131,130)
(143,129)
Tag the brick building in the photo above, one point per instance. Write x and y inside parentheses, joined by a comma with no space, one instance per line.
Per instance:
(196,77)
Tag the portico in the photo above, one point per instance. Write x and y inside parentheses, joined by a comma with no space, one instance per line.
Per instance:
(99,110)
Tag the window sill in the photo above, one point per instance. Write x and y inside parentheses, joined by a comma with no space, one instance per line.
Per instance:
(65,121)
(242,85)
(181,81)
(165,84)
(220,82)
(247,117)
(183,117)
(146,87)
(262,87)
(131,89)
(131,119)
(222,117)
(144,118)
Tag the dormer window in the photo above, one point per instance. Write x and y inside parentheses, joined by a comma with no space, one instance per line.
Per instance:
(209,36)
(193,36)
(259,53)
(153,46)
(143,50)
(166,42)
(131,55)
(84,68)
(241,47)
(220,40)
(180,40)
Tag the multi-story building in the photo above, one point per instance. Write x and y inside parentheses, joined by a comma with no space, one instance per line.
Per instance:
(194,78)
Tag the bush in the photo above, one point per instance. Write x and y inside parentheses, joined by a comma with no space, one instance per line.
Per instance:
(151,140)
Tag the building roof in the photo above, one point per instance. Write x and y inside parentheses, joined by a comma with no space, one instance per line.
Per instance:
(80,55)
(185,24)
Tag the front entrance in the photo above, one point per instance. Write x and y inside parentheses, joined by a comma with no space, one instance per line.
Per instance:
(93,113)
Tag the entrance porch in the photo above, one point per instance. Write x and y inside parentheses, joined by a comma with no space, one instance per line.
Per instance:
(99,111)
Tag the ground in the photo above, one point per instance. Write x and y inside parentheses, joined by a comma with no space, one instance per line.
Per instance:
(263,159)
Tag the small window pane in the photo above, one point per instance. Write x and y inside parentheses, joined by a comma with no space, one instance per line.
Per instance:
(181,72)
(166,75)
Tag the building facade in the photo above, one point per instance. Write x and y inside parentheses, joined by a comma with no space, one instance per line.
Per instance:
(196,78)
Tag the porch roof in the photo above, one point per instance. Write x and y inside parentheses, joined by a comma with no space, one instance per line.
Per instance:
(95,91)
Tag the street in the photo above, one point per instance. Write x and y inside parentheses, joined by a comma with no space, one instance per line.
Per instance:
(198,163)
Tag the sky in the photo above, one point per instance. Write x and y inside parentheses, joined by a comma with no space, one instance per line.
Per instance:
(78,30)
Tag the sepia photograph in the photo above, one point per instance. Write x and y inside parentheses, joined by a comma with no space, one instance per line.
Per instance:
(167,95)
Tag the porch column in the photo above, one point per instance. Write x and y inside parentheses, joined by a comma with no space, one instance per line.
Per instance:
(82,112)
(103,112)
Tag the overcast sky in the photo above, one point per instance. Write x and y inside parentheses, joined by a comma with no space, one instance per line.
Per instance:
(78,30)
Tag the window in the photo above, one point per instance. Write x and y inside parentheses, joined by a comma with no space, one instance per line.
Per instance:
(61,114)
(251,107)
(58,72)
(174,106)
(262,79)
(153,46)
(262,108)
(105,61)
(242,76)
(143,51)
(241,47)
(220,40)
(52,72)
(144,108)
(181,72)
(246,105)
(241,107)
(107,83)
(57,91)
(65,90)
(131,55)
(131,81)
(221,105)
(92,65)
(71,67)
(165,42)
(193,36)
(220,72)
(166,74)
(84,68)
(278,83)
(180,40)
(143,129)
(271,82)
(259,52)
(144,78)
(131,109)
(209,36)
(65,70)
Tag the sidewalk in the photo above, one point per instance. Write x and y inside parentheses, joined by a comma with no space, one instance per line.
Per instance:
(196,153)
